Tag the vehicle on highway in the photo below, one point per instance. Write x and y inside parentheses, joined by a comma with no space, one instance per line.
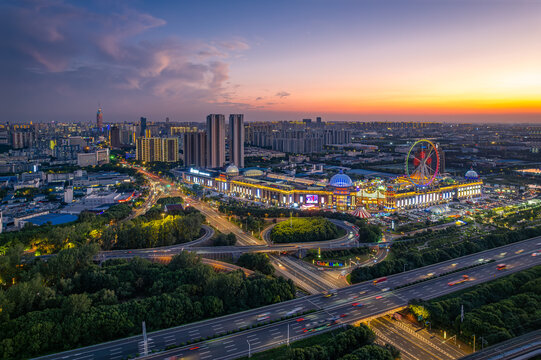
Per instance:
(357,304)
(294,311)
(333,320)
(386,289)
(537,253)
(380,280)
(330,293)
(300,319)
(459,281)
(362,292)
(501,266)
(321,327)
(378,297)
(263,317)
(519,251)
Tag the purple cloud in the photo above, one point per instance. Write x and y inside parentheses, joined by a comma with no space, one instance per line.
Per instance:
(53,50)
(282,94)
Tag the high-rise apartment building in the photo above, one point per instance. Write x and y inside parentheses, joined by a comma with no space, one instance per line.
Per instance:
(215,140)
(236,139)
(143,126)
(99,120)
(22,139)
(441,170)
(195,149)
(114,135)
(151,149)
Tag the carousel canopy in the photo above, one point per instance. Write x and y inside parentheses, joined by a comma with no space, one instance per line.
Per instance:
(361,213)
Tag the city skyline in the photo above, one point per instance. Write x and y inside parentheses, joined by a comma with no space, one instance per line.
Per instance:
(371,61)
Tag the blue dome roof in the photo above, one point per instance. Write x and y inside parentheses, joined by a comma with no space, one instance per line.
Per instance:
(341,180)
(470,174)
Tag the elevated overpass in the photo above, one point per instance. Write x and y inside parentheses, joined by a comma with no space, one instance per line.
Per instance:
(375,301)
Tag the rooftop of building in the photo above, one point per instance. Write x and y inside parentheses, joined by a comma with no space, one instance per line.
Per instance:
(54,219)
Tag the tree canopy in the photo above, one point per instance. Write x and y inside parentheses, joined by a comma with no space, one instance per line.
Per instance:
(497,310)
(303,230)
(68,301)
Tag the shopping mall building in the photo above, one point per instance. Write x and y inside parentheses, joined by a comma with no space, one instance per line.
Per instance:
(339,193)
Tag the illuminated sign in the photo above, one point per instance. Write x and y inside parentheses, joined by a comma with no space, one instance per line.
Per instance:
(195,171)
(312,199)
(329,263)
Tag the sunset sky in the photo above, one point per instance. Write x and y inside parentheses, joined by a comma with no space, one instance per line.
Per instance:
(452,60)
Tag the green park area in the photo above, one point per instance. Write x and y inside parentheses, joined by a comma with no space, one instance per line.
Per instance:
(68,301)
(495,311)
(305,230)
(348,343)
(110,230)
(257,216)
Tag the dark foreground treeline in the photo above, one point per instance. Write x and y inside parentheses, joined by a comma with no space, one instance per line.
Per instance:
(68,301)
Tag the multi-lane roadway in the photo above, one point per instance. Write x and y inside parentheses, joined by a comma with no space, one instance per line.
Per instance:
(527,346)
(414,344)
(374,300)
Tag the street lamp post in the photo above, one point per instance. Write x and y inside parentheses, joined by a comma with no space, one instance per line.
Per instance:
(249,349)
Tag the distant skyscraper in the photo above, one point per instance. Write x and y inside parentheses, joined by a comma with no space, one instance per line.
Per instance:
(195,149)
(215,140)
(441,170)
(115,137)
(236,139)
(99,120)
(143,125)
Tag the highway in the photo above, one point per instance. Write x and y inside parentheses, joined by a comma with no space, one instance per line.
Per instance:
(220,222)
(341,243)
(414,343)
(307,280)
(527,346)
(375,302)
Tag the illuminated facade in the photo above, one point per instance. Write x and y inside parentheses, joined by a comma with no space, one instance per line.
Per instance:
(150,149)
(340,193)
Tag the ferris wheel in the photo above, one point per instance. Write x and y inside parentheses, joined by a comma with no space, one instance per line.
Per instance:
(422,162)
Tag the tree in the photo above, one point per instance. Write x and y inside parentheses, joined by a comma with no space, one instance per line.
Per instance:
(224,240)
(184,260)
(256,261)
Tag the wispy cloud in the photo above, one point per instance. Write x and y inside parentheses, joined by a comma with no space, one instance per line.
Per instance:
(282,94)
